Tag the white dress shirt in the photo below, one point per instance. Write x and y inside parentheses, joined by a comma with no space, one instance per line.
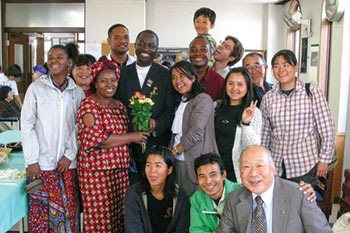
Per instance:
(142,73)
(176,128)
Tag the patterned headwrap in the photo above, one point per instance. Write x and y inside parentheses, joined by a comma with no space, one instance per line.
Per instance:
(101,64)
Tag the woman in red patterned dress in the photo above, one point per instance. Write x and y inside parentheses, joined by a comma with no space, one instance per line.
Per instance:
(103,159)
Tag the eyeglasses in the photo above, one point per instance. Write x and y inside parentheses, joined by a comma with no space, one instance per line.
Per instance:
(255,67)
(225,45)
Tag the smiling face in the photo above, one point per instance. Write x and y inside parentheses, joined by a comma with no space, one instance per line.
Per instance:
(10,96)
(181,82)
(58,62)
(82,76)
(256,68)
(211,180)
(157,171)
(285,73)
(224,50)
(202,25)
(106,83)
(146,48)
(199,52)
(257,169)
(119,41)
(236,88)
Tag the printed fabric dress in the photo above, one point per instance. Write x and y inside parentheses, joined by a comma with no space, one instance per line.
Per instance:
(103,173)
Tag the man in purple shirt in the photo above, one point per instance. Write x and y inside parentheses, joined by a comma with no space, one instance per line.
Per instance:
(199,53)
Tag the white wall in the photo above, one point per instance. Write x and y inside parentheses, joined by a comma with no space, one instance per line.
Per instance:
(99,17)
(311,9)
(173,21)
(276,36)
(340,73)
(161,14)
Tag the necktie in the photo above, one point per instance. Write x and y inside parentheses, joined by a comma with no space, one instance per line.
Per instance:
(259,224)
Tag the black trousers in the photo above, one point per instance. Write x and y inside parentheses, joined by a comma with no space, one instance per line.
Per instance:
(310,177)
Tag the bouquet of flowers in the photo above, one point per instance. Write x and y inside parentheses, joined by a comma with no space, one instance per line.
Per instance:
(141,110)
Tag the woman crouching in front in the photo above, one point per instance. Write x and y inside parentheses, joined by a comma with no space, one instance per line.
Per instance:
(157,205)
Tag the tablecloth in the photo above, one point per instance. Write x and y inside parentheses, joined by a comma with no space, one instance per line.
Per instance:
(13,199)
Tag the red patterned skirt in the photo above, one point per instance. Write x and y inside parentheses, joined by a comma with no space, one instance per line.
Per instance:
(55,208)
(103,193)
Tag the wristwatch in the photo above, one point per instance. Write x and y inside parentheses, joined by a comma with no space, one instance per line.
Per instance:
(246,124)
(176,151)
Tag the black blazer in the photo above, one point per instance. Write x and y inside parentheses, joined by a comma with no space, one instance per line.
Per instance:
(164,109)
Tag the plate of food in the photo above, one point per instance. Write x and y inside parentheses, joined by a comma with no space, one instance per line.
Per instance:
(4,152)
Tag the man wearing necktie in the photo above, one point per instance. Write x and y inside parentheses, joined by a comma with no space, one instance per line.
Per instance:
(268,203)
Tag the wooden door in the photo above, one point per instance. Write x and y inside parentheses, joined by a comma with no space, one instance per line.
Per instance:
(20,53)
(40,56)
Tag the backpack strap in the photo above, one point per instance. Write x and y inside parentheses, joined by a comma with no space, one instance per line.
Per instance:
(307,89)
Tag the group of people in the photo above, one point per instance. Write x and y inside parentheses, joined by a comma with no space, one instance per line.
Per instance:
(206,125)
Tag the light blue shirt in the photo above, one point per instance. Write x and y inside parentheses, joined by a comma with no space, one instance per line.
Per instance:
(267,198)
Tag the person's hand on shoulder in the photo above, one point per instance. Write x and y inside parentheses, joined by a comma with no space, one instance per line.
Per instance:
(308,191)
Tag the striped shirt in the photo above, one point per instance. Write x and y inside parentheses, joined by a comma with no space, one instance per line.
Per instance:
(291,125)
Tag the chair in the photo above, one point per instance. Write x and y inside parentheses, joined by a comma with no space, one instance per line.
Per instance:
(345,199)
(326,186)
(10,123)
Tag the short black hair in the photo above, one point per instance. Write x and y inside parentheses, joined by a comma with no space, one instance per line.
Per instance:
(209,158)
(72,50)
(200,36)
(4,90)
(111,28)
(150,32)
(82,60)
(59,46)
(287,54)
(237,51)
(205,11)
(252,55)
(13,70)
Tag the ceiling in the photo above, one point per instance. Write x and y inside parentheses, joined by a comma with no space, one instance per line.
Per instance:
(82,1)
(235,1)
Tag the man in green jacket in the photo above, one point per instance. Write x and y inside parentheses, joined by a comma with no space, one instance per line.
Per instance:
(208,202)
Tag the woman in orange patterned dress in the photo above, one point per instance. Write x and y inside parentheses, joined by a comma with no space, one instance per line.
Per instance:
(103,159)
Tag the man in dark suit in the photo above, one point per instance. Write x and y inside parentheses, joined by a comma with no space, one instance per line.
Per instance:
(283,209)
(145,76)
